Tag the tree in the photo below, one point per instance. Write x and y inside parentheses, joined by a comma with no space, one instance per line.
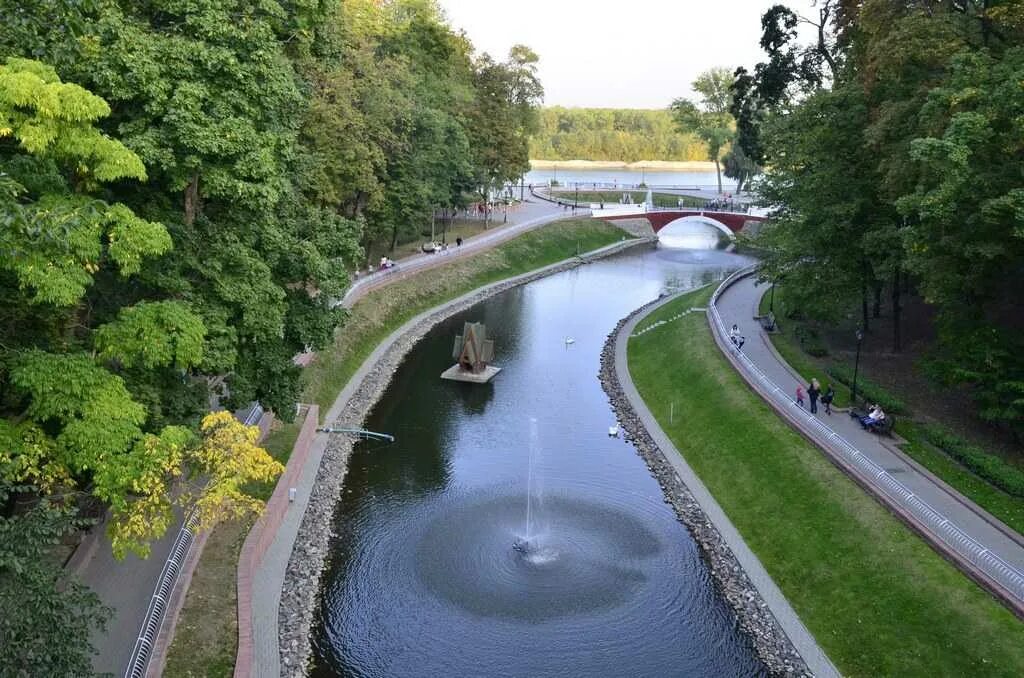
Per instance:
(46,616)
(710,119)
(504,117)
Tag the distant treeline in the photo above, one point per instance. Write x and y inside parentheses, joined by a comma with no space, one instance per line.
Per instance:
(627,135)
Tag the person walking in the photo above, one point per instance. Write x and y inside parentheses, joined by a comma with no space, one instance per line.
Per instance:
(799,395)
(458,242)
(813,392)
(826,399)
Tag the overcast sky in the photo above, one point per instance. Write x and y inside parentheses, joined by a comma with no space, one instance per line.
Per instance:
(622,54)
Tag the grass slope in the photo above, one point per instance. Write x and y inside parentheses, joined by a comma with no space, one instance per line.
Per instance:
(205,642)
(876,597)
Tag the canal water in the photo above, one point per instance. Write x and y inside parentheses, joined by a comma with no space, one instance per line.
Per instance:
(437,570)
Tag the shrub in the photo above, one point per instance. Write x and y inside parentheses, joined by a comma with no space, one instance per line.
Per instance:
(868,389)
(1003,475)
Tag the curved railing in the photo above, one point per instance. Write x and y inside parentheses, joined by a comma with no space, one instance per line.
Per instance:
(949,533)
(143,649)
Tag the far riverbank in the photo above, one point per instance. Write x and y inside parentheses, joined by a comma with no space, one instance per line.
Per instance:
(657,165)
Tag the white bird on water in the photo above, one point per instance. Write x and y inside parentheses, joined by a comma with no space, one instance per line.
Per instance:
(569,340)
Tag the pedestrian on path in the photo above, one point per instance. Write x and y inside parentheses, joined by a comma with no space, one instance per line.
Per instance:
(458,242)
(813,392)
(740,340)
(734,334)
(799,395)
(826,399)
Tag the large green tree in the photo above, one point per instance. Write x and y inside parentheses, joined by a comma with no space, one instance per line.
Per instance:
(709,117)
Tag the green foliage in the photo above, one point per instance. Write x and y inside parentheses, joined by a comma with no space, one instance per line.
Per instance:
(625,135)
(711,119)
(900,160)
(1005,476)
(153,334)
(868,390)
(46,616)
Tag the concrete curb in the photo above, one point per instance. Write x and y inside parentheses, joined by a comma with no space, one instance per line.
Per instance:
(802,640)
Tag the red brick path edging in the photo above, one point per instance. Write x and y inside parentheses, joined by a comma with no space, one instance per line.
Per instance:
(262,535)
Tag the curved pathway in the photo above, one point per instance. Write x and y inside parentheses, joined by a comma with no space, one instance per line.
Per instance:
(530,215)
(815,658)
(984,548)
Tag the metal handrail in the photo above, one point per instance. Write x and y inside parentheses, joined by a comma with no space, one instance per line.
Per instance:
(154,618)
(940,525)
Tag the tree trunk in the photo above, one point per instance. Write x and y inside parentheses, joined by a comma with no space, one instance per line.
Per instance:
(192,206)
(394,237)
(897,334)
(718,171)
(876,307)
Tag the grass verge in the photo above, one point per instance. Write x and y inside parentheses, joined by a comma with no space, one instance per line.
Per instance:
(206,639)
(875,596)
(207,632)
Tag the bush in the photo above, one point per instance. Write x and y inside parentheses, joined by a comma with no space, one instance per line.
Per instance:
(811,341)
(868,390)
(1006,477)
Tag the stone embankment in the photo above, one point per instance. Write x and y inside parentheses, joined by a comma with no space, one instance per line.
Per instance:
(300,594)
(752,612)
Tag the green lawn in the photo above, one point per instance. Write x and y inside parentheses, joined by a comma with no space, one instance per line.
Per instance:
(876,597)
(205,646)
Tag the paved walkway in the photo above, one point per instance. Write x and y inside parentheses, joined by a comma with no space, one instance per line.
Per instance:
(531,214)
(984,548)
(816,659)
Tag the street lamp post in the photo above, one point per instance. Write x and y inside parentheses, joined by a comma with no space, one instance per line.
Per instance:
(771,298)
(576,200)
(856,368)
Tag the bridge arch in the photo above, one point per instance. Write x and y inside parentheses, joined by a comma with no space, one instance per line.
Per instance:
(701,219)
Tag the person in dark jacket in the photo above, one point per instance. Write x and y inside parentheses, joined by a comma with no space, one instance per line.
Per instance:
(827,397)
(813,393)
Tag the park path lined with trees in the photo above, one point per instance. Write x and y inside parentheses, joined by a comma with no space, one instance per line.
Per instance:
(896,170)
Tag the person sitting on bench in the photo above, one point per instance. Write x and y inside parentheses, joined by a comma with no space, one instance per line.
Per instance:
(875,417)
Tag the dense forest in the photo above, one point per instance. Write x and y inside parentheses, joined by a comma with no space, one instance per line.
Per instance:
(895,152)
(625,135)
(183,188)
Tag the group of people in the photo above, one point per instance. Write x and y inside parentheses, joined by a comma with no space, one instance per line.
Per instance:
(814,394)
(386,262)
(736,338)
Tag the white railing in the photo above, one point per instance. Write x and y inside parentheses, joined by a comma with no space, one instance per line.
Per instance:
(151,623)
(1005,574)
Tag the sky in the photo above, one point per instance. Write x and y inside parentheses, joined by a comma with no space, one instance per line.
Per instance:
(623,54)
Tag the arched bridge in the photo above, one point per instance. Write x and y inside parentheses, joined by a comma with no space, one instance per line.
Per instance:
(729,223)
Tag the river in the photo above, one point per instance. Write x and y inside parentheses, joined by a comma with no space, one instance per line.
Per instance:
(423,579)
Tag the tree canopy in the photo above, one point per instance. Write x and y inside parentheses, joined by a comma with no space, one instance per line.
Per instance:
(184,188)
(626,135)
(894,147)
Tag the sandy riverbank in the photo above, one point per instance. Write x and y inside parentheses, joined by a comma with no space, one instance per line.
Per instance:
(663,165)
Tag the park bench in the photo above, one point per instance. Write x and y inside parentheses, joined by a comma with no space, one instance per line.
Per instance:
(884,427)
(768,322)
